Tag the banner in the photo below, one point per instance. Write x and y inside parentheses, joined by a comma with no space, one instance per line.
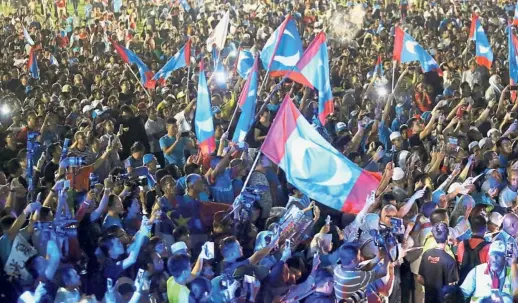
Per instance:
(15,265)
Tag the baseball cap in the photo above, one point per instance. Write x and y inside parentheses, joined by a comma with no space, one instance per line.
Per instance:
(340,126)
(147,158)
(483,142)
(394,135)
(496,218)
(179,248)
(87,108)
(472,145)
(398,174)
(491,131)
(497,247)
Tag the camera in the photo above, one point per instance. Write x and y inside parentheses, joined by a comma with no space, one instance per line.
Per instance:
(386,238)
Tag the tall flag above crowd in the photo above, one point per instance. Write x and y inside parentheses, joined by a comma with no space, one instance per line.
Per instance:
(406,49)
(301,151)
(129,57)
(204,126)
(219,34)
(247,104)
(314,66)
(513,60)
(282,51)
(483,52)
(181,59)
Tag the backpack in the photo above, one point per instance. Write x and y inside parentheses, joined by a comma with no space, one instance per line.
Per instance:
(471,258)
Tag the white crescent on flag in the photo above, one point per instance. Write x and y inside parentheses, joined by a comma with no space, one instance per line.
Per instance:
(410,45)
(483,49)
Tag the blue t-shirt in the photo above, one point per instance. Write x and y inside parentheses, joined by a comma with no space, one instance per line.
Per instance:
(177,156)
(222,190)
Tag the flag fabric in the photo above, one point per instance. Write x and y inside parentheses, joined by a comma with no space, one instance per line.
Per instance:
(53,60)
(27,37)
(181,59)
(247,102)
(282,51)
(32,64)
(245,61)
(219,34)
(301,152)
(515,18)
(203,122)
(473,26)
(314,66)
(129,57)
(513,60)
(483,52)
(378,68)
(406,49)
(185,5)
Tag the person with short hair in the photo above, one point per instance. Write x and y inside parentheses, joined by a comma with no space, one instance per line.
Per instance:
(438,269)
(348,278)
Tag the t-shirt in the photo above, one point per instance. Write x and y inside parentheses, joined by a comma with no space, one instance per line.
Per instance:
(438,269)
(81,180)
(349,281)
(176,156)
(176,293)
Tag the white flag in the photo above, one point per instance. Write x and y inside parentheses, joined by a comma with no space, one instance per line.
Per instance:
(219,34)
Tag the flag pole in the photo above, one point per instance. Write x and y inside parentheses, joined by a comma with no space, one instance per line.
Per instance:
(138,80)
(257,157)
(233,116)
(394,63)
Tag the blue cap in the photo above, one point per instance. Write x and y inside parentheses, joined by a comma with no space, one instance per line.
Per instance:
(436,196)
(148,158)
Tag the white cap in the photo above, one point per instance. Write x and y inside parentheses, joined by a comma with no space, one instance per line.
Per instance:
(472,145)
(489,132)
(398,174)
(340,126)
(496,218)
(483,142)
(87,108)
(394,135)
(178,247)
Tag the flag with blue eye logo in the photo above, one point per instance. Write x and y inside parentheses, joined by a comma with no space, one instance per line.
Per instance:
(314,66)
(245,61)
(247,103)
(313,165)
(203,123)
(406,49)
(129,57)
(483,52)
(282,51)
(181,59)
(513,60)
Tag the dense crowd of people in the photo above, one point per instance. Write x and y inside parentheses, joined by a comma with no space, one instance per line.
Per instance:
(105,195)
